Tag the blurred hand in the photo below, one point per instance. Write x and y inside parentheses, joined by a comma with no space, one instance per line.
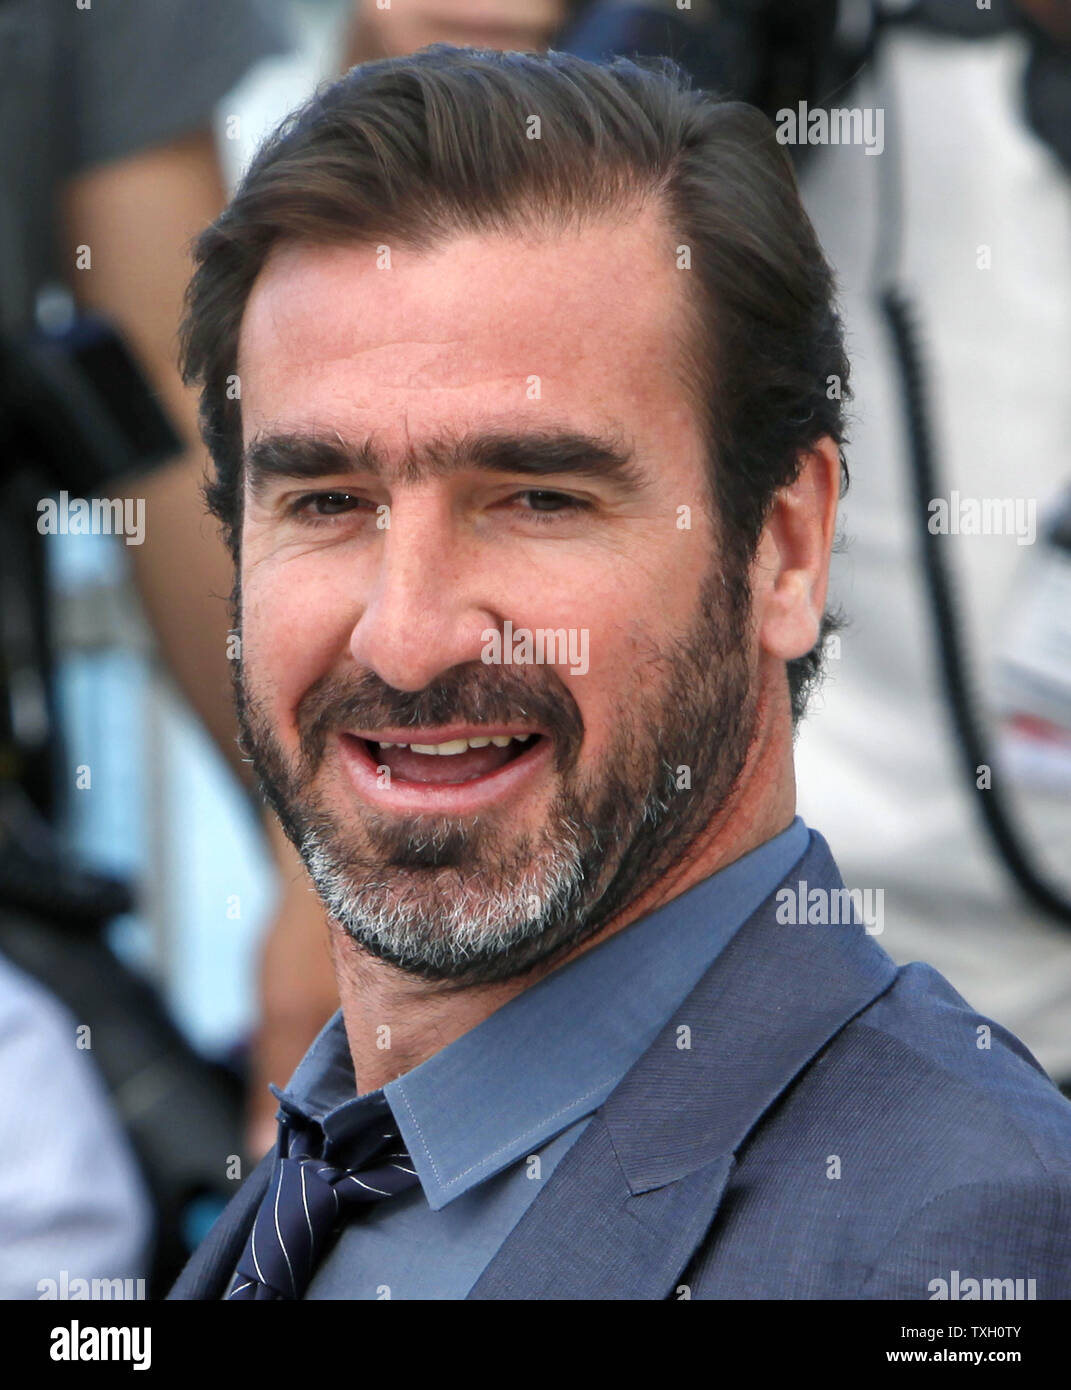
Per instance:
(138,214)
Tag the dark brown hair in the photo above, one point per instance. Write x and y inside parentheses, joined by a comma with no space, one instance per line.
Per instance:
(414,151)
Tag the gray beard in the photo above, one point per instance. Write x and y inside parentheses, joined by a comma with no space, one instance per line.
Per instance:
(470,923)
(454,900)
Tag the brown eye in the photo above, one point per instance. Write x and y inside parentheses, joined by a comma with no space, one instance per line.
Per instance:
(543,501)
(329,503)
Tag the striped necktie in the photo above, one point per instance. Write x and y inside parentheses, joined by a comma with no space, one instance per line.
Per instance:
(307,1201)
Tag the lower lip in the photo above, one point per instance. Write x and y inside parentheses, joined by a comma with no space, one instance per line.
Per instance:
(443,798)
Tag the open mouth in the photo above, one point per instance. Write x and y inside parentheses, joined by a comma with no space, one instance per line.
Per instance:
(454,761)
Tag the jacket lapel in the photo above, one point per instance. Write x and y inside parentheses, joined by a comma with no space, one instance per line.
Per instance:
(589,1236)
(211,1265)
(626,1208)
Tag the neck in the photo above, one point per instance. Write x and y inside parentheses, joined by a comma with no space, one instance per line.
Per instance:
(425,1016)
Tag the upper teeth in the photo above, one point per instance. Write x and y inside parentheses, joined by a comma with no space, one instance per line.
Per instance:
(460,745)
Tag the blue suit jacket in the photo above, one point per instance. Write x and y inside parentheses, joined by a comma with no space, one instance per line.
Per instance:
(828,1126)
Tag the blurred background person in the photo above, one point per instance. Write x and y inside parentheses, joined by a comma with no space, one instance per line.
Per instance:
(72,1197)
(113,1126)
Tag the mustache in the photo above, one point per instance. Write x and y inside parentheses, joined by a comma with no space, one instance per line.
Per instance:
(471,694)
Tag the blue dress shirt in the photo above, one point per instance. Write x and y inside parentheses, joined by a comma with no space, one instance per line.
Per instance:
(487,1118)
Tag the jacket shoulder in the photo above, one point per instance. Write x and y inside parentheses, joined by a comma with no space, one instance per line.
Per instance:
(1007,1239)
(922,1138)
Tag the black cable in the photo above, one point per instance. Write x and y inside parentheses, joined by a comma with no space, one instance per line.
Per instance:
(971,738)
(951,649)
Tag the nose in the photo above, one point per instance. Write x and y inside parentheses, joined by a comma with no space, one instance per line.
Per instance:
(421,618)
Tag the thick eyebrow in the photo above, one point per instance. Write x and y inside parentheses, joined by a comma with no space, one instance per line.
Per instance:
(535,454)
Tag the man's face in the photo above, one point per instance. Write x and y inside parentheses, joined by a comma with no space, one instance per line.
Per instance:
(404,596)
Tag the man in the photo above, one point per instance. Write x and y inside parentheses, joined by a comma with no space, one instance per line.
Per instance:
(524,386)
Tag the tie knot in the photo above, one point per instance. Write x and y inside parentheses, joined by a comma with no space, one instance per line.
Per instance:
(306,1198)
(379,1172)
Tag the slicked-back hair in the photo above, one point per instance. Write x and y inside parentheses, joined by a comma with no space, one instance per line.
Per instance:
(412,152)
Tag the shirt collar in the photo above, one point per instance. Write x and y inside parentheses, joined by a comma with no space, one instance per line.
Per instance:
(552,1054)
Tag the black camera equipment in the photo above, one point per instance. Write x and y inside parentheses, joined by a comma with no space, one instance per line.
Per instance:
(76,413)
